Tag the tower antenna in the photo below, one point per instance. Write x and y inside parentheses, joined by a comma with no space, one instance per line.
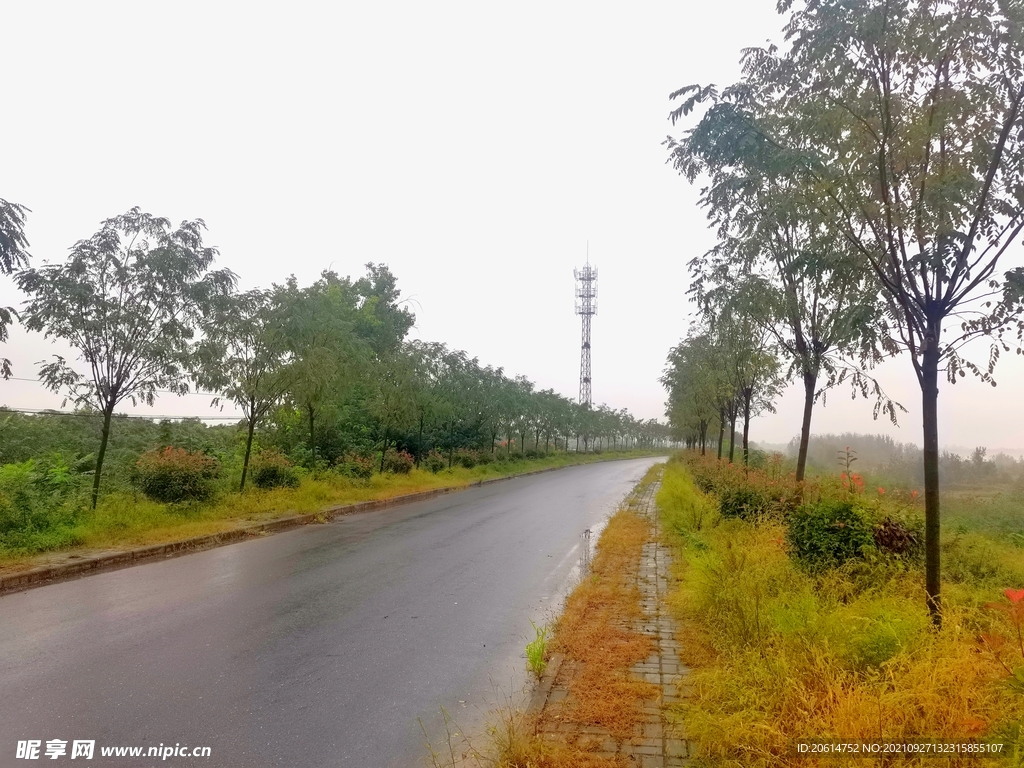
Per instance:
(586,307)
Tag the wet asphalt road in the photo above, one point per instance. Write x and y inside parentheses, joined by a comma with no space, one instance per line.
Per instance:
(319,646)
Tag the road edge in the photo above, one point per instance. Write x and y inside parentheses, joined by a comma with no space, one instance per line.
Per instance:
(87,566)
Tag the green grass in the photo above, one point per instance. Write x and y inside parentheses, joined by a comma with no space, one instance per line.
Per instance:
(536,650)
(125,519)
(996,510)
(779,652)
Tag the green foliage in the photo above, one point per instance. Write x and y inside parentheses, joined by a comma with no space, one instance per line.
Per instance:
(536,650)
(467,459)
(12,256)
(745,503)
(434,462)
(39,503)
(272,469)
(174,474)
(355,466)
(128,299)
(828,533)
(398,462)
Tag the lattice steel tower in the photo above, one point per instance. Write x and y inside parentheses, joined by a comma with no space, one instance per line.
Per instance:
(586,307)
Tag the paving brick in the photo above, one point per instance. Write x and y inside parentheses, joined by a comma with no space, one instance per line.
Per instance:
(676,748)
(654,743)
(648,749)
(653,730)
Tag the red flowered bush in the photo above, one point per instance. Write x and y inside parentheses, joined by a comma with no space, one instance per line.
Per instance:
(174,474)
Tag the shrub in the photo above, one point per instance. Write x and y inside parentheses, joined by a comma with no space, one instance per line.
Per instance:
(271,469)
(532,454)
(467,459)
(434,462)
(174,474)
(39,505)
(485,457)
(704,483)
(827,534)
(744,503)
(398,462)
(355,466)
(894,537)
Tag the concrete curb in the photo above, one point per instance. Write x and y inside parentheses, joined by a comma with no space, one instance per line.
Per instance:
(539,697)
(48,574)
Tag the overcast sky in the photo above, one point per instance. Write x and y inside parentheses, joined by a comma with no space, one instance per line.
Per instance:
(475,148)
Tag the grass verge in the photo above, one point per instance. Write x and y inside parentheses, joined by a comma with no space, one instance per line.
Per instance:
(779,653)
(126,520)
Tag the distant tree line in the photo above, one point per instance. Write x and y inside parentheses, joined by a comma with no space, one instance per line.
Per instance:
(892,462)
(320,371)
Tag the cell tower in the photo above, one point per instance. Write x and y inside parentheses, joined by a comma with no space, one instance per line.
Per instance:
(586,307)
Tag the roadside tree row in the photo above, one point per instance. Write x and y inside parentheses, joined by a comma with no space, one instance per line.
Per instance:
(866,183)
(319,371)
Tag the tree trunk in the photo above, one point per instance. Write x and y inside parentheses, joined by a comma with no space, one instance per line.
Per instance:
(810,384)
(107,413)
(419,442)
(721,434)
(930,411)
(747,395)
(312,429)
(248,452)
(732,433)
(384,450)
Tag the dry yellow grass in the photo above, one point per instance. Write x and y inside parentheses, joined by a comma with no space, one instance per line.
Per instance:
(594,633)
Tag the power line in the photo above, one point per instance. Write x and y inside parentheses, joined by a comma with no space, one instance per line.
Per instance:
(94,414)
(161,391)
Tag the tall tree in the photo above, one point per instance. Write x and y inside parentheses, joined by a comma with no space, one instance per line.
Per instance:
(128,299)
(750,365)
(319,323)
(694,381)
(777,256)
(905,119)
(245,355)
(391,402)
(384,321)
(12,256)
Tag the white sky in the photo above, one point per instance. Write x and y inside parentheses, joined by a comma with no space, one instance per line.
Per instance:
(475,148)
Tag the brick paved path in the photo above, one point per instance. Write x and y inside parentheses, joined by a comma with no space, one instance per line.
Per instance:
(656,743)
